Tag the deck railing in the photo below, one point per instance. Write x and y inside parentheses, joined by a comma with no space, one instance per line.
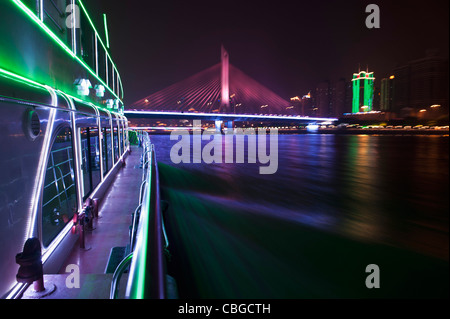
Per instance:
(147,274)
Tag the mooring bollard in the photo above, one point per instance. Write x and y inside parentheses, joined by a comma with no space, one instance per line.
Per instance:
(30,270)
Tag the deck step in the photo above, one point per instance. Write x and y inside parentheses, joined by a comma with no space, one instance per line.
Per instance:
(116,255)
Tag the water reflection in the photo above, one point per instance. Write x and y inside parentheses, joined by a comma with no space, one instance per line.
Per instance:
(389,189)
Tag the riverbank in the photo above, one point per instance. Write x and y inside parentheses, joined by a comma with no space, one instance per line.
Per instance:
(349,131)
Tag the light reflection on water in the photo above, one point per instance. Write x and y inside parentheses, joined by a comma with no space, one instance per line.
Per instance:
(391,189)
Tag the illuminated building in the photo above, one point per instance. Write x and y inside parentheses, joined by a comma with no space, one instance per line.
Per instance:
(387,88)
(363,88)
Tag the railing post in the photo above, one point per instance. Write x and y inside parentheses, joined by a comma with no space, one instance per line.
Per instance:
(82,230)
(83,220)
(95,205)
(123,265)
(89,212)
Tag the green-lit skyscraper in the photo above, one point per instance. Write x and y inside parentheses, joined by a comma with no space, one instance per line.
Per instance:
(362,92)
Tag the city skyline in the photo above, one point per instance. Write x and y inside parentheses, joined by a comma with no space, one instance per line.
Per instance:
(289,47)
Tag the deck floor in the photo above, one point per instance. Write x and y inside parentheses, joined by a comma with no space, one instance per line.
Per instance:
(111,229)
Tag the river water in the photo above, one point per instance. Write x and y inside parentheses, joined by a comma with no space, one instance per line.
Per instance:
(336,204)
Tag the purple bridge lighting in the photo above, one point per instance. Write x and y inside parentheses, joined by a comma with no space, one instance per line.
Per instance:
(222,93)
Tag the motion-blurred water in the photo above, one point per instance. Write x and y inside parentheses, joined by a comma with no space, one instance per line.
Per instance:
(388,190)
(381,188)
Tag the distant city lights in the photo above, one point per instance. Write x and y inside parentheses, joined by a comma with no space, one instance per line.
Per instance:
(312,127)
(365,113)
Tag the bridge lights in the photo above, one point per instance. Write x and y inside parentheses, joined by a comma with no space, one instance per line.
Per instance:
(313,127)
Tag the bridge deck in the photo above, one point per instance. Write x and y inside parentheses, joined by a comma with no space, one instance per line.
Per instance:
(224,117)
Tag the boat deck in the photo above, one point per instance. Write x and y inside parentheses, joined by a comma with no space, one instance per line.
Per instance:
(110,229)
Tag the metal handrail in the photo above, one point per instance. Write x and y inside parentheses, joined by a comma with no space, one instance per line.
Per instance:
(159,269)
(141,191)
(166,239)
(136,215)
(123,265)
(147,277)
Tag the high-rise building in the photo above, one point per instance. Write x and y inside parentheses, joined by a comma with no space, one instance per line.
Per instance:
(331,99)
(363,90)
(348,96)
(387,93)
(421,83)
(338,98)
(304,104)
(323,99)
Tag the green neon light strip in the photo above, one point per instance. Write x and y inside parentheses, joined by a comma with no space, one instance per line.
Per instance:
(140,292)
(138,270)
(355,105)
(106,30)
(19,78)
(368,93)
(62,44)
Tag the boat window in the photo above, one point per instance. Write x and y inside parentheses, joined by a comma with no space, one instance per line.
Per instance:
(116,145)
(113,81)
(95,156)
(101,62)
(59,201)
(107,71)
(117,85)
(90,159)
(87,41)
(122,140)
(110,73)
(53,13)
(107,150)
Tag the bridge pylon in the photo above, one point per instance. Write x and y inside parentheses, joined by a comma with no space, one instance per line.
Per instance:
(225,82)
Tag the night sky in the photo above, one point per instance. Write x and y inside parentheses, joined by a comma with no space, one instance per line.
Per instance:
(288,46)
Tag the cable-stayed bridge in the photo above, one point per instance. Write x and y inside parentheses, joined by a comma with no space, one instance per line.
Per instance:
(220,93)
